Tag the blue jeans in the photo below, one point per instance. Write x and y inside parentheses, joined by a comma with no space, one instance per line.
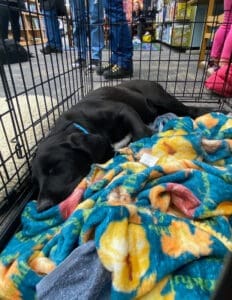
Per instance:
(52,29)
(96,17)
(79,27)
(120,36)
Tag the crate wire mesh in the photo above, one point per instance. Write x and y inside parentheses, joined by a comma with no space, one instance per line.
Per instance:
(34,94)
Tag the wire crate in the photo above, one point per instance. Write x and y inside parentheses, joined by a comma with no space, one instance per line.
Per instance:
(33,94)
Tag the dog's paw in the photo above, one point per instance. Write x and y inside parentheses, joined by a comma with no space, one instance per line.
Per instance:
(123,143)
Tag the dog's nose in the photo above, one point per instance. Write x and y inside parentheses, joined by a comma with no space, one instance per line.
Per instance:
(44,204)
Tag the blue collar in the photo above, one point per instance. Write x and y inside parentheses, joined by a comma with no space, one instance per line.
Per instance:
(81,128)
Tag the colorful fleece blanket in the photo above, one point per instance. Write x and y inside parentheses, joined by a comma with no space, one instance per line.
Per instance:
(159,213)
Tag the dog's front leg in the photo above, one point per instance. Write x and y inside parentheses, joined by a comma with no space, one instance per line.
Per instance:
(134,124)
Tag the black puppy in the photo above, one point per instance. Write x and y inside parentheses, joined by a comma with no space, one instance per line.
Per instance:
(86,134)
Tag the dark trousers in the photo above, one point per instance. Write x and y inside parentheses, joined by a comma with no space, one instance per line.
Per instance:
(138,28)
(9,14)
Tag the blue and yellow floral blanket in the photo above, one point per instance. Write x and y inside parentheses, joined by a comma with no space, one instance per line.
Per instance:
(159,212)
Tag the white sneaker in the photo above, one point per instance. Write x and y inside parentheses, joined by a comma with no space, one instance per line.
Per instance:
(93,64)
(203,64)
(211,70)
(79,63)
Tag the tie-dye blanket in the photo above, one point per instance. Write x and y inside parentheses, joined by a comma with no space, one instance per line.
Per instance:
(159,212)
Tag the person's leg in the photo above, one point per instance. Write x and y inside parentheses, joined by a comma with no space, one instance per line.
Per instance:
(74,22)
(96,27)
(120,40)
(4,20)
(14,19)
(140,30)
(221,33)
(79,27)
(226,53)
(52,29)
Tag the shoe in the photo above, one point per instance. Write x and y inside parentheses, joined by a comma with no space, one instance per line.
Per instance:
(116,72)
(103,67)
(79,63)
(48,50)
(55,50)
(136,40)
(205,64)
(212,69)
(94,63)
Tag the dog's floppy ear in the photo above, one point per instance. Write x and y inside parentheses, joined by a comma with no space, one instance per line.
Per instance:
(94,145)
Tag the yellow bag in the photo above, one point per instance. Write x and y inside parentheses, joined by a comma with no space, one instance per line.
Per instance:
(146,37)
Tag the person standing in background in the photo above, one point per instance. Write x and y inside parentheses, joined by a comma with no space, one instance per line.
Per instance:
(120,42)
(221,50)
(96,17)
(80,21)
(51,9)
(219,70)
(138,19)
(10,13)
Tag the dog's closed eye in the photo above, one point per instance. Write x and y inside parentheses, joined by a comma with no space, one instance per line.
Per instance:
(51,171)
(54,169)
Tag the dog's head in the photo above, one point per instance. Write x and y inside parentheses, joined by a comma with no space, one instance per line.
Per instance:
(62,162)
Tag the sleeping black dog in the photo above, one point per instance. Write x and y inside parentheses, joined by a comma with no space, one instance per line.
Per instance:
(86,134)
